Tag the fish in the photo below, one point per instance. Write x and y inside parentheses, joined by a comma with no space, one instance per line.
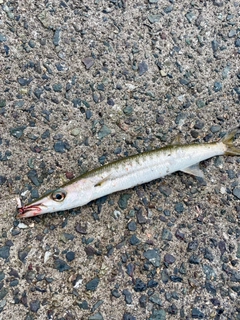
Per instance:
(129,172)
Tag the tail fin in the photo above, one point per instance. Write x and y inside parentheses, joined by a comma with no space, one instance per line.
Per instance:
(228,141)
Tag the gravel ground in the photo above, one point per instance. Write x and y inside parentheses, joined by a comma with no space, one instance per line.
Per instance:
(87,82)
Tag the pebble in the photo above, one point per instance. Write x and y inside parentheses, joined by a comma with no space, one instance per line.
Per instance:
(2,37)
(61,146)
(123,200)
(61,265)
(88,62)
(166,234)
(142,68)
(38,92)
(92,284)
(134,240)
(70,256)
(236,192)
(34,305)
(153,256)
(56,37)
(155,298)
(217,86)
(128,296)
(169,259)
(139,285)
(17,132)
(197,314)
(2,180)
(192,246)
(143,301)
(153,18)
(116,293)
(57,87)
(22,254)
(158,315)
(132,226)
(103,132)
(4,252)
(96,316)
(128,316)
(237,43)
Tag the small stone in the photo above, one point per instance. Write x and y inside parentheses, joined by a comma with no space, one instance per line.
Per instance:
(70,256)
(57,87)
(215,128)
(169,259)
(132,226)
(217,86)
(155,299)
(209,272)
(116,293)
(2,38)
(61,265)
(236,192)
(123,200)
(197,314)
(61,146)
(152,283)
(4,252)
(22,254)
(128,316)
(190,16)
(200,103)
(194,259)
(134,240)
(153,18)
(237,43)
(2,103)
(96,316)
(143,301)
(166,191)
(92,284)
(83,305)
(142,68)
(139,285)
(215,45)
(3,293)
(56,37)
(192,246)
(166,234)
(153,256)
(128,296)
(2,180)
(210,288)
(103,132)
(38,92)
(34,305)
(75,132)
(128,110)
(158,315)
(88,62)
(17,132)
(179,207)
(24,82)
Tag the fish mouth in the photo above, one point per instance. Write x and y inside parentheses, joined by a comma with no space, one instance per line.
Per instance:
(29,211)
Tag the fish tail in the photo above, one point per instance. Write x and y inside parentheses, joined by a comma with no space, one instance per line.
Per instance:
(228,141)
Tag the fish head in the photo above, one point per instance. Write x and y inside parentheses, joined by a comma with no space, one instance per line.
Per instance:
(51,202)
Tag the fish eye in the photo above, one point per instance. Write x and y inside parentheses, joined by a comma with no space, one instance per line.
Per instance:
(58,196)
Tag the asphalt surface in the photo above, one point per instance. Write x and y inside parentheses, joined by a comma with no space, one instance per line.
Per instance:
(83,83)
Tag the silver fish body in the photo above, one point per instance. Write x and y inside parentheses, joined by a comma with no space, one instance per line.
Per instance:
(127,173)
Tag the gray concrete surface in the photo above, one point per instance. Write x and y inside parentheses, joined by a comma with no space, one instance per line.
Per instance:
(83,83)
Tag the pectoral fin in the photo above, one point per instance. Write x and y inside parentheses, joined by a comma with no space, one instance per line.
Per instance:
(101,182)
(194,170)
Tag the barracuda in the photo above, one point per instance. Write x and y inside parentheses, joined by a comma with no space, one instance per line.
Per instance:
(129,172)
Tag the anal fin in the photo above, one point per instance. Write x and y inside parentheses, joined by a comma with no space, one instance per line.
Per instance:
(194,170)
